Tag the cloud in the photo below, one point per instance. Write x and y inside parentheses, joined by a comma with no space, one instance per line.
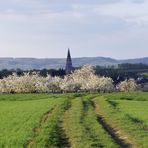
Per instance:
(104,26)
(132,13)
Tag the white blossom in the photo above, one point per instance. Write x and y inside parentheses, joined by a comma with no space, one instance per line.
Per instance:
(83,79)
(128,85)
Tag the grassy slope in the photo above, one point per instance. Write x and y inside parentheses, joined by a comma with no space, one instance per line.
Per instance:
(21,113)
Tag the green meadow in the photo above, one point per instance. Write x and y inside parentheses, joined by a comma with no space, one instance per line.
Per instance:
(74,120)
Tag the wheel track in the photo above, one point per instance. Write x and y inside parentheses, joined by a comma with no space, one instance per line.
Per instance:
(121,139)
(63,140)
(65,143)
(37,129)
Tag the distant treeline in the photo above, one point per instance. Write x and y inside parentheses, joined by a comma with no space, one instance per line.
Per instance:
(124,71)
(118,73)
(43,72)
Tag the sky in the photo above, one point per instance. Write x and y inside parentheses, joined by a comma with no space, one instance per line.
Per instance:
(90,28)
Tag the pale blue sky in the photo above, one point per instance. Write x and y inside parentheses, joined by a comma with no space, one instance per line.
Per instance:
(46,28)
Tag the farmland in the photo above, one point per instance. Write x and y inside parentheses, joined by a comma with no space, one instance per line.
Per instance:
(74,120)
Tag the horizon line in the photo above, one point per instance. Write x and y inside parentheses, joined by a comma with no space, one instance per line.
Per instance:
(73,57)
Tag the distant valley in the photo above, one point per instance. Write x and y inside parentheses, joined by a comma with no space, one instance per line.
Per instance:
(56,63)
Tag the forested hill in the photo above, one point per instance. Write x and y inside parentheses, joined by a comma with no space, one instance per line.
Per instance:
(56,63)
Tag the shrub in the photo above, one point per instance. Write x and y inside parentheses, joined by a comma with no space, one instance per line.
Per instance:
(128,85)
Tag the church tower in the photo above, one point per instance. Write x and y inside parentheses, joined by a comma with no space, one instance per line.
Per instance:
(69,67)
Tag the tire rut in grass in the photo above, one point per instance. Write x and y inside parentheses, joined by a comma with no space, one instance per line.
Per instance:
(61,138)
(64,140)
(64,127)
(58,137)
(36,130)
(95,142)
(73,124)
(119,138)
(82,128)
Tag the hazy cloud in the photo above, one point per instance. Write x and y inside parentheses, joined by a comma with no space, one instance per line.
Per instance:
(46,28)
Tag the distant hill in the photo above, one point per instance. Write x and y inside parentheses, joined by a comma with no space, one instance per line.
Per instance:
(56,63)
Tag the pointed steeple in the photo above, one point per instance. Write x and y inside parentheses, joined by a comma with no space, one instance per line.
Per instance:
(69,67)
(68,54)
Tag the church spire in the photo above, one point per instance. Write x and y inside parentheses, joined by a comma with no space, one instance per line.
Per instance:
(69,67)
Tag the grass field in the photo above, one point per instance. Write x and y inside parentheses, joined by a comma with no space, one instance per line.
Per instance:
(74,120)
